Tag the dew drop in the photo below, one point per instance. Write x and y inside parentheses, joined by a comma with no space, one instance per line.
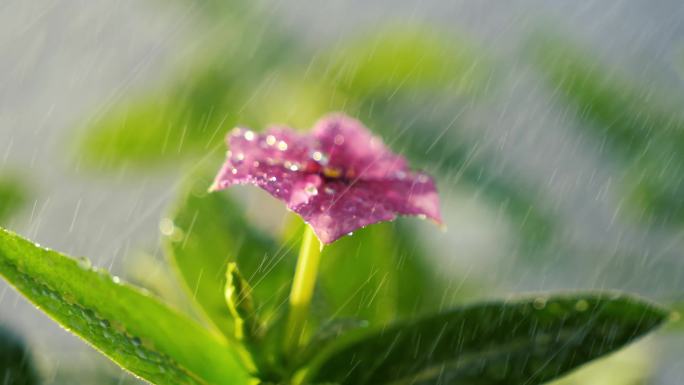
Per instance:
(116,279)
(166,227)
(84,263)
(311,190)
(272,179)
(270,140)
(249,135)
(581,305)
(329,190)
(319,157)
(234,171)
(292,166)
(282,146)
(539,303)
(238,158)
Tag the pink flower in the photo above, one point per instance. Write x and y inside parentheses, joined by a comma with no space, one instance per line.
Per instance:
(338,178)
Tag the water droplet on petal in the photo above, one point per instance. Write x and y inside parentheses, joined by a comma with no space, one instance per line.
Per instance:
(319,157)
(237,158)
(292,166)
(270,140)
(249,135)
(329,190)
(272,179)
(234,171)
(282,146)
(116,279)
(311,190)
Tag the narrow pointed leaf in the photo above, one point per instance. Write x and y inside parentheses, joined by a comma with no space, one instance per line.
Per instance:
(133,329)
(524,342)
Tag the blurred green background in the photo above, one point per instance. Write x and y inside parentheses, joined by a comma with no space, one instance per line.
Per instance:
(555,133)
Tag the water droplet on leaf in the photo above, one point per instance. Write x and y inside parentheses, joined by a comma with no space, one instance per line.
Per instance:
(581,305)
(85,263)
(539,303)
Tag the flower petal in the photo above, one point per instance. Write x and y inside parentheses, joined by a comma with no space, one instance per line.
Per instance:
(338,179)
(350,146)
(340,209)
(276,145)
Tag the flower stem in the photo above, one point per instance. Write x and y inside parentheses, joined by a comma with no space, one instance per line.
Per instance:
(302,289)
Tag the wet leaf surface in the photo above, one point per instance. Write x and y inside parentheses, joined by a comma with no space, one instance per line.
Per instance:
(517,342)
(133,329)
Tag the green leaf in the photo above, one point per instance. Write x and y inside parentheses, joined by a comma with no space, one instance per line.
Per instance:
(190,114)
(517,342)
(378,274)
(16,364)
(644,128)
(210,231)
(133,329)
(676,321)
(406,59)
(13,195)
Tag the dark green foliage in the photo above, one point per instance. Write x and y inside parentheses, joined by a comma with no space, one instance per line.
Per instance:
(517,342)
(16,365)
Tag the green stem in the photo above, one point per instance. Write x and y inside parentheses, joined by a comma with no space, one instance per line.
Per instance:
(302,289)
